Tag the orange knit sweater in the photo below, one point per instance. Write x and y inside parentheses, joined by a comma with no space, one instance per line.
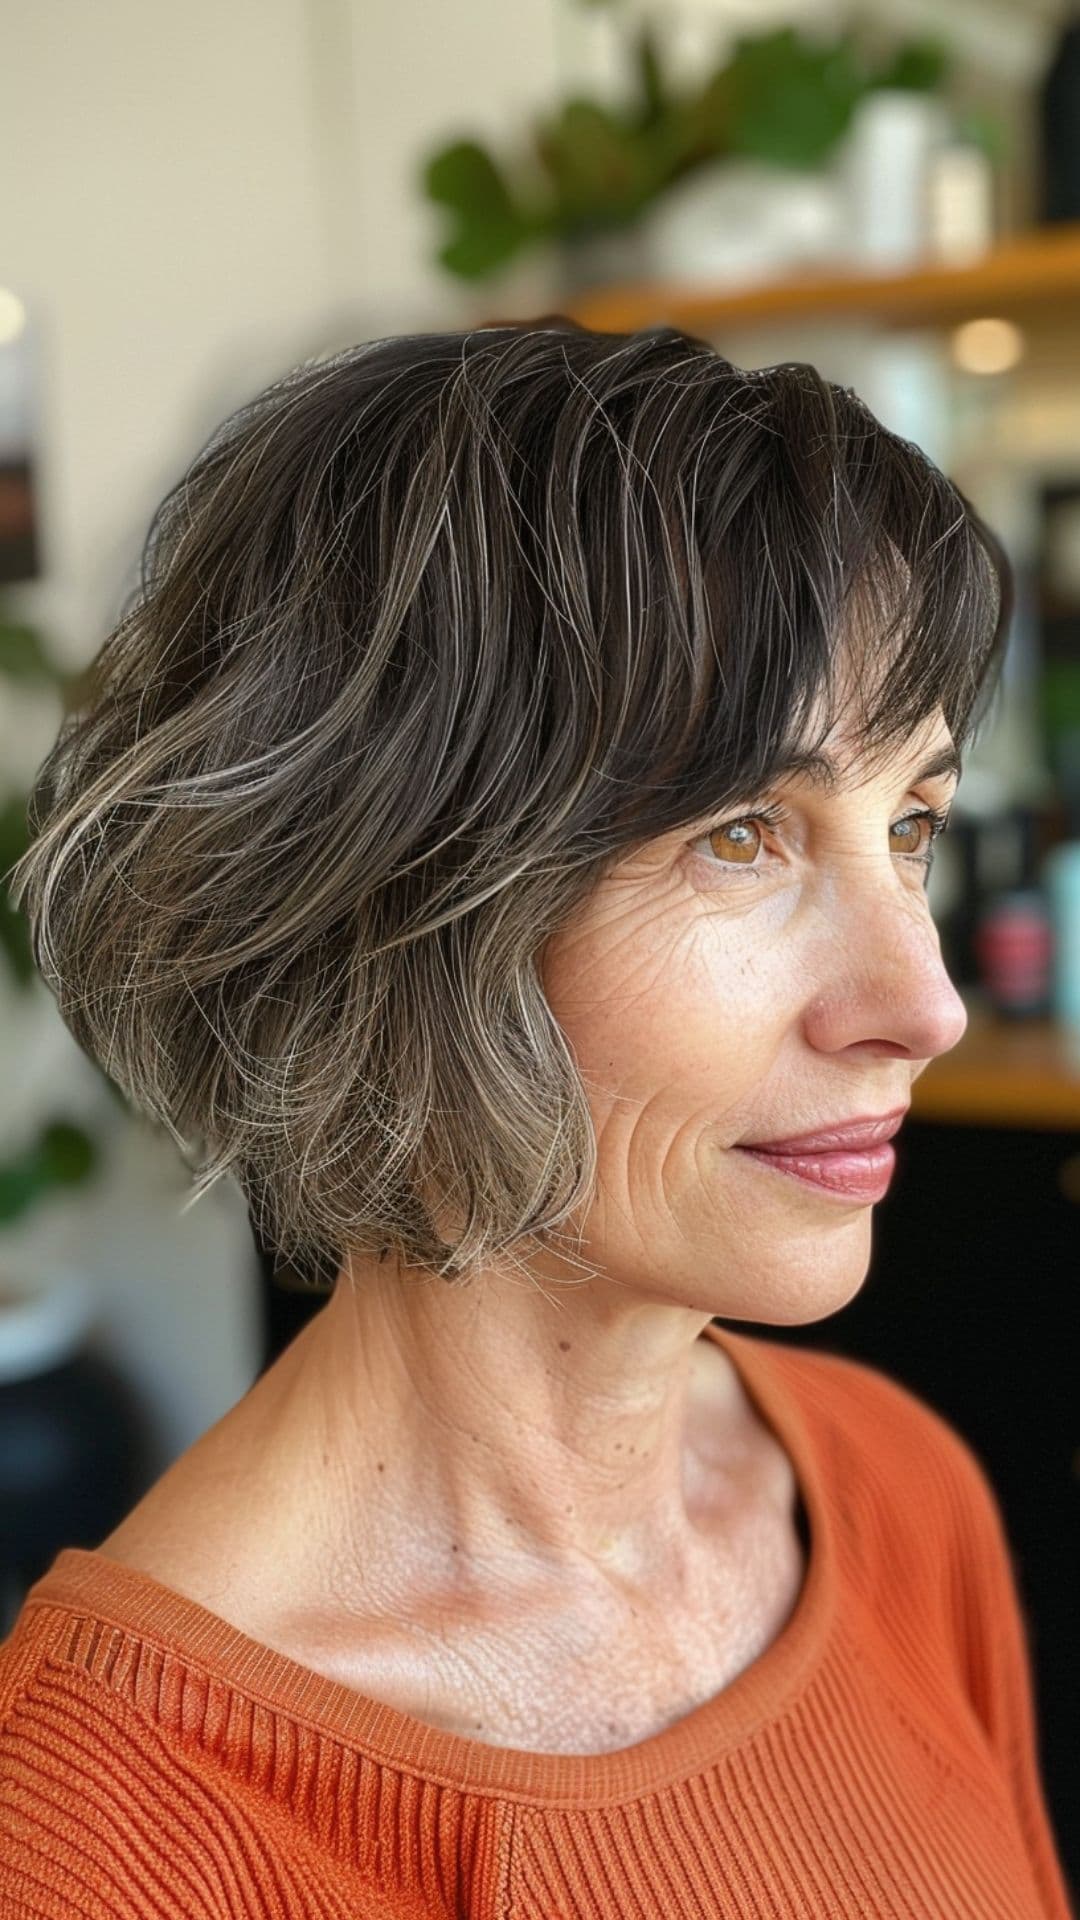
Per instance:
(879,1758)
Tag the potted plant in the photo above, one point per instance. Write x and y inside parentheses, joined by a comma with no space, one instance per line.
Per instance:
(72,1431)
(61,1153)
(592,173)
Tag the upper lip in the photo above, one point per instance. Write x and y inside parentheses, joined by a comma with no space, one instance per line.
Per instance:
(865,1131)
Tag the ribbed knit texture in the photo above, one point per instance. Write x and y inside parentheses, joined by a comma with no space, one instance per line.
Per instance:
(878,1759)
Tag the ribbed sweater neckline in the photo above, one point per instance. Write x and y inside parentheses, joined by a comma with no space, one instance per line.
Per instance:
(85,1581)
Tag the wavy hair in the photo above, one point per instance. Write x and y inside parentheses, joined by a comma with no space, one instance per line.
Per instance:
(429,634)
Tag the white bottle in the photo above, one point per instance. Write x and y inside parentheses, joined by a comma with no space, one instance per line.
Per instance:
(884,166)
(960,201)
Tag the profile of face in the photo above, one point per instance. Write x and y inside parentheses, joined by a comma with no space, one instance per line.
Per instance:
(775,971)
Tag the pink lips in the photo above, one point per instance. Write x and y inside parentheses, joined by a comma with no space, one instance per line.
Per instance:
(856,1176)
(853,1160)
(865,1131)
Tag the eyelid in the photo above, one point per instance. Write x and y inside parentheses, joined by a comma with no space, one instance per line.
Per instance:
(764,804)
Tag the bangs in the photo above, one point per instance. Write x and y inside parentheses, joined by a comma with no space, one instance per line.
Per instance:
(774,563)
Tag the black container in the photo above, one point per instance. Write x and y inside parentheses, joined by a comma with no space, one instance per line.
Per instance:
(995,854)
(74,1444)
(1059,127)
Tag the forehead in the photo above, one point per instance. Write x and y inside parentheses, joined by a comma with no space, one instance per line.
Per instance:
(833,750)
(843,759)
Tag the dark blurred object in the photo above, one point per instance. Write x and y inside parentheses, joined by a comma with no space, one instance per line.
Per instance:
(1059,127)
(74,1450)
(288,1302)
(19,556)
(996,855)
(1061,879)
(1057,603)
(1014,943)
(1067,758)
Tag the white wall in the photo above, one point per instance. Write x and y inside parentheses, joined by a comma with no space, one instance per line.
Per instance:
(195,198)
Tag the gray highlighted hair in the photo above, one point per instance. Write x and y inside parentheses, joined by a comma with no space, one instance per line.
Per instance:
(428,636)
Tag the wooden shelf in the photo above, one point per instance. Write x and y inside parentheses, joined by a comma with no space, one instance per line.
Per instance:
(1003,1074)
(1028,275)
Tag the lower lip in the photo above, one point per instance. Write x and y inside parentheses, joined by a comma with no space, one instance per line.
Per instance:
(863,1177)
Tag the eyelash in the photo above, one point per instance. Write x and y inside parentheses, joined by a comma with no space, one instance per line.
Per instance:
(776,815)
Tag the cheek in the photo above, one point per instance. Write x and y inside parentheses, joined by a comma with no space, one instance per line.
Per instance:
(682,1021)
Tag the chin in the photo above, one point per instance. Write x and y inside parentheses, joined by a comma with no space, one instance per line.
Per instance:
(801,1283)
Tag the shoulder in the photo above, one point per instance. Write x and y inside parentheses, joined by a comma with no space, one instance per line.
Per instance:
(111,1800)
(134,1784)
(924,1563)
(63,1759)
(855,1390)
(28,1645)
(844,1399)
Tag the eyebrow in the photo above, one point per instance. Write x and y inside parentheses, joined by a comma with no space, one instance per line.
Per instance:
(819,770)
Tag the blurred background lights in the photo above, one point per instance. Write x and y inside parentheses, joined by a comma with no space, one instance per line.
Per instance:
(12,316)
(987,346)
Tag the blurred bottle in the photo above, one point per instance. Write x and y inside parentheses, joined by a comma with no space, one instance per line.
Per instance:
(1014,943)
(1059,126)
(960,199)
(1061,879)
(994,935)
(884,166)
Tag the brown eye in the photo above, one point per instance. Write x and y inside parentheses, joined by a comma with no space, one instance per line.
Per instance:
(737,841)
(911,832)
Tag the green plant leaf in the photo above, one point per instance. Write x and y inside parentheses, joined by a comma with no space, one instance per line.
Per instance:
(706,119)
(64,1155)
(22,653)
(15,944)
(652,84)
(791,98)
(923,64)
(67,1156)
(14,931)
(603,174)
(1059,695)
(487,226)
(21,1186)
(14,831)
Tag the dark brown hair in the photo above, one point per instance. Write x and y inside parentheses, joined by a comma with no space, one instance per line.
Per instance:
(427,637)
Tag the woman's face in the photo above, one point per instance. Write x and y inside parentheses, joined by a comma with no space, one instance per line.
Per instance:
(746,982)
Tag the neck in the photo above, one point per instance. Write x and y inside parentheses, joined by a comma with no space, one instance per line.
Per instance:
(504,1434)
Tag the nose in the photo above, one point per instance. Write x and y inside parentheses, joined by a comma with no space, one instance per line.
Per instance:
(881,982)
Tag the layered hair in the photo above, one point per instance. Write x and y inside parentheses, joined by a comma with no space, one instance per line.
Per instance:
(428,636)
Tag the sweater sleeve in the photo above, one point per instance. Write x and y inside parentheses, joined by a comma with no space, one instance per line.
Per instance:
(996,1639)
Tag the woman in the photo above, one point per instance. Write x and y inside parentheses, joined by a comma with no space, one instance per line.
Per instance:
(498,828)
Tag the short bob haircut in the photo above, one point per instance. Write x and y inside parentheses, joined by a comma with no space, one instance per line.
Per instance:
(430,634)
